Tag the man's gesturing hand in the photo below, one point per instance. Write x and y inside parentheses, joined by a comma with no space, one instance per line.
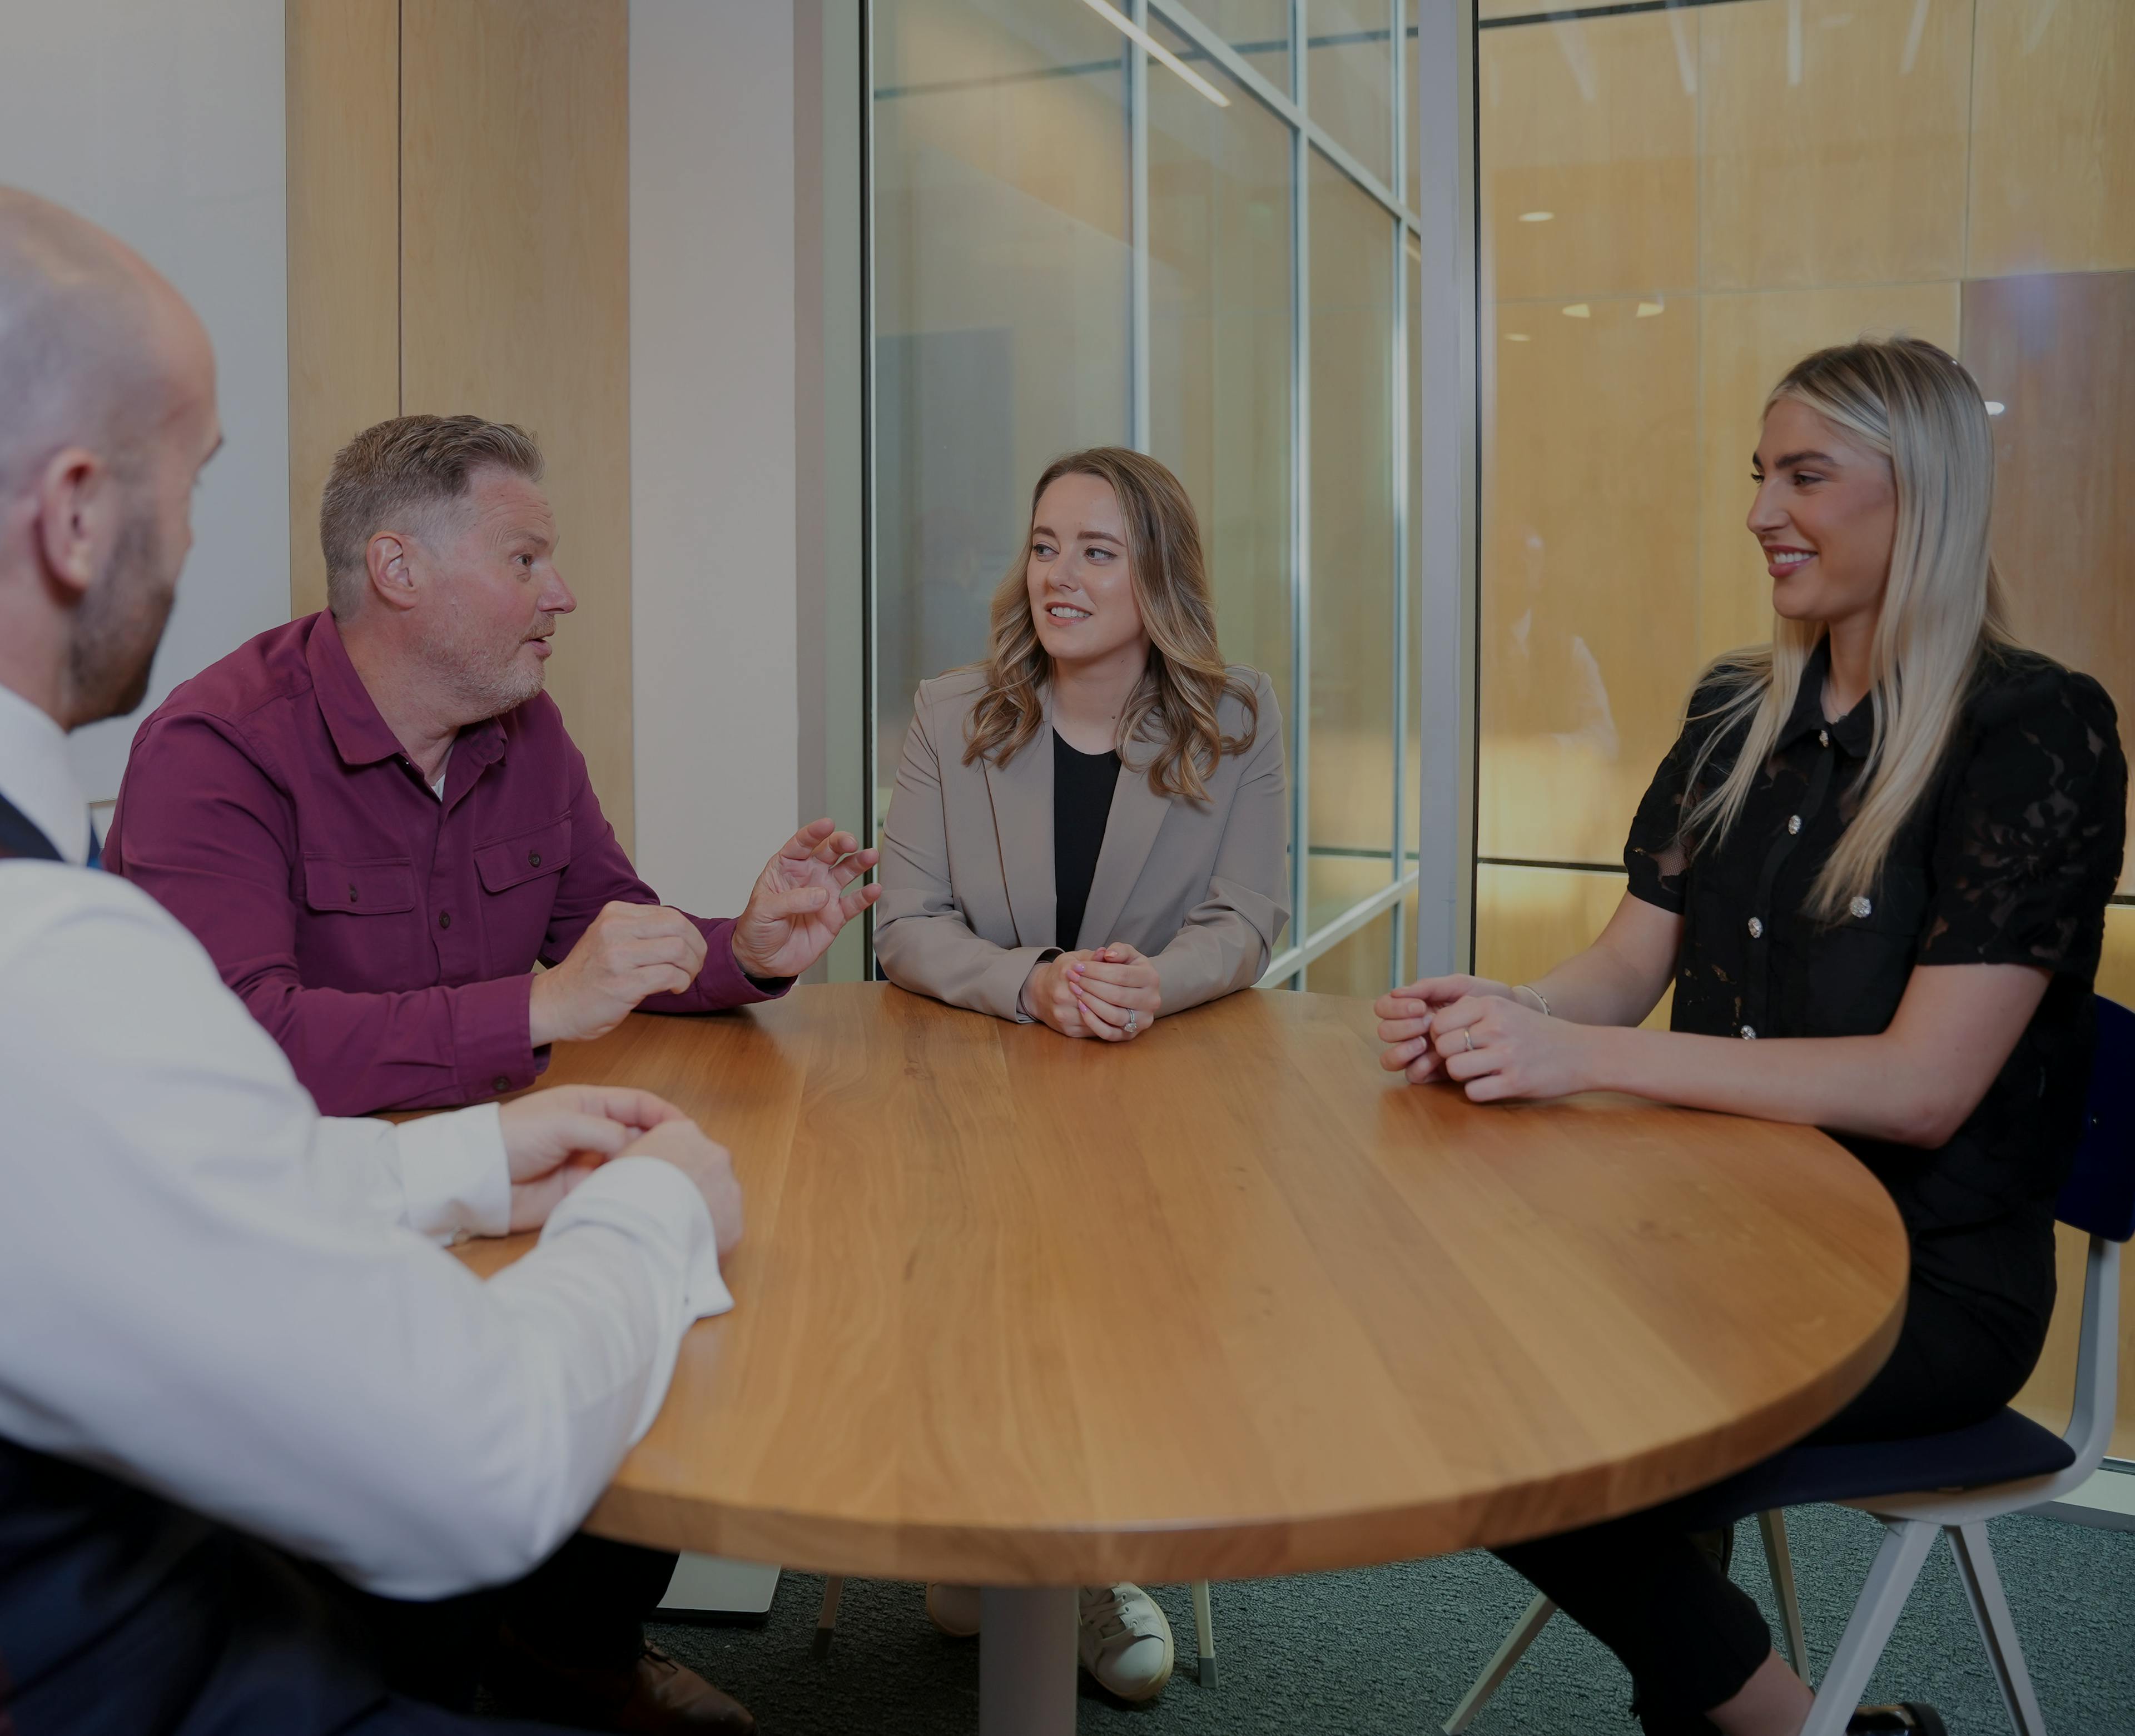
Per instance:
(632,950)
(795,909)
(554,1139)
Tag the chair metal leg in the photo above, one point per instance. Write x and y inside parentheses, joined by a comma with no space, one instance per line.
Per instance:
(1906,1546)
(1772,1524)
(827,1618)
(1990,1609)
(1204,1635)
(1531,1623)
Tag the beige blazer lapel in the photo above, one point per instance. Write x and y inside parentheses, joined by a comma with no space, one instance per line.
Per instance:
(1131,830)
(1021,795)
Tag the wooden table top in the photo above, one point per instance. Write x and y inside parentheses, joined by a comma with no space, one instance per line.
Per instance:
(1223,1301)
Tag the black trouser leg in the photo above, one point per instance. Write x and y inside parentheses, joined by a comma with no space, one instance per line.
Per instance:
(584,1607)
(1690,1636)
(587,1604)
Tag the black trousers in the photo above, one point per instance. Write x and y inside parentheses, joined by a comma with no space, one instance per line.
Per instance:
(586,1605)
(1690,1636)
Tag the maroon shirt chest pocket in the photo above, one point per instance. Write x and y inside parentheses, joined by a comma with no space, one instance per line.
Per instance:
(361,930)
(527,856)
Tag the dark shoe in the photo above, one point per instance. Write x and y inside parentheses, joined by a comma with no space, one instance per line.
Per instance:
(1719,1544)
(655,1696)
(1907,1716)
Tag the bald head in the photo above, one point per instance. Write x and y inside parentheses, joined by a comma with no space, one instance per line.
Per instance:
(107,413)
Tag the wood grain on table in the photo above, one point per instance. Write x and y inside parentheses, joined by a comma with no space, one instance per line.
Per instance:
(1223,1302)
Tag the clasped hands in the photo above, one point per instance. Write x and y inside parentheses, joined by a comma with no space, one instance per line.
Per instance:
(803,895)
(554,1139)
(1110,992)
(1483,1037)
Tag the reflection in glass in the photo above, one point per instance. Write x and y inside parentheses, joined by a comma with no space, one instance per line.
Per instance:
(1219,295)
(1356,966)
(1349,86)
(1001,305)
(1258,30)
(1352,642)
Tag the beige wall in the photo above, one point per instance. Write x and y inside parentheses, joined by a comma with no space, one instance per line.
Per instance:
(458,199)
(1729,187)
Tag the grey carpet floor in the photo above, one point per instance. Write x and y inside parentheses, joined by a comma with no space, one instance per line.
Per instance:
(1391,1650)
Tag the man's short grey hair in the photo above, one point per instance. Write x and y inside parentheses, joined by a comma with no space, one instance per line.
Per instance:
(409,465)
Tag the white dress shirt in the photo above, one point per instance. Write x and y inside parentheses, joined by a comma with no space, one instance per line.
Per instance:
(210,1290)
(35,777)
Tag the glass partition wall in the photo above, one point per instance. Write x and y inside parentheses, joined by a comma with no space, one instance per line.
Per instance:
(1676,203)
(1180,229)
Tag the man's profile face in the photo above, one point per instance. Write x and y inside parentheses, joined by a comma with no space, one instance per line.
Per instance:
(120,620)
(495,592)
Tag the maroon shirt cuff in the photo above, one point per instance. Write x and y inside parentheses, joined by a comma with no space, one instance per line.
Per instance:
(723,983)
(492,1047)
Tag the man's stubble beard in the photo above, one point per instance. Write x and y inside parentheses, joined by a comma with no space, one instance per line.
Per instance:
(484,684)
(120,623)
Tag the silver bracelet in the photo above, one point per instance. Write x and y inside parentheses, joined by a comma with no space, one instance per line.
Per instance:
(1541,999)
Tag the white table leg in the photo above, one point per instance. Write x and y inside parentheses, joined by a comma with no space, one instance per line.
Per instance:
(1027,1660)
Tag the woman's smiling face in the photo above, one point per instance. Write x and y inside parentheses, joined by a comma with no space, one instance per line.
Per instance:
(1826,515)
(1079,575)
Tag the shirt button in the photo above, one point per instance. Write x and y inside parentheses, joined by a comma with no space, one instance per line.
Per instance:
(352,895)
(1749,1031)
(1824,737)
(501,1083)
(1793,822)
(1756,929)
(533,858)
(444,919)
(1860,907)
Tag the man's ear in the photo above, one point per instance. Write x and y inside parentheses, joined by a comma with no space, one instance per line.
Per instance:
(76,494)
(390,561)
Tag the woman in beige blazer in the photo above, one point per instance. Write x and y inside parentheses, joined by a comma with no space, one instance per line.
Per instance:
(1090,828)
(1089,831)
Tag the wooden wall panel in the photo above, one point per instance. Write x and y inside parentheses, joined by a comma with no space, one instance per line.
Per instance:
(2058,351)
(1589,616)
(343,69)
(1595,122)
(1834,142)
(1749,341)
(2053,153)
(515,294)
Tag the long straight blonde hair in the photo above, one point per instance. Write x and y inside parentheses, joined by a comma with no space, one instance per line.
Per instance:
(1174,706)
(1943,604)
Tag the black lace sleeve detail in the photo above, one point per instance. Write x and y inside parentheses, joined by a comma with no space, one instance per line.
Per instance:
(2028,839)
(1652,852)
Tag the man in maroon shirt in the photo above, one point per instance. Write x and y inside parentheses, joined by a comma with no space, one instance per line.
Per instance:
(374,821)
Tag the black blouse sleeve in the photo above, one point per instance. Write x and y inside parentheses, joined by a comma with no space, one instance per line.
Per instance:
(1652,853)
(2028,841)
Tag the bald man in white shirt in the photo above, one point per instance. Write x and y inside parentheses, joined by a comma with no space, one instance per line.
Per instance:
(239,1373)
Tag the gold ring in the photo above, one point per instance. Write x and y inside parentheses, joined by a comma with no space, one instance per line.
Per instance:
(1470,1035)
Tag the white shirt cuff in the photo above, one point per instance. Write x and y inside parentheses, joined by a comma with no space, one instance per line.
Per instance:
(454,1174)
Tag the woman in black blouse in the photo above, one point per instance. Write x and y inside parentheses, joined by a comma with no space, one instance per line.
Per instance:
(1875,866)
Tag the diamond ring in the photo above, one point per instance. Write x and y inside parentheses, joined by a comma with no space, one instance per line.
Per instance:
(1132,1017)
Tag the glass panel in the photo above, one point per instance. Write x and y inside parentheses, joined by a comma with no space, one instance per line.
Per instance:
(1412,767)
(1353,647)
(1358,966)
(1348,87)
(1220,309)
(1000,287)
(1405,46)
(1528,920)
(1259,30)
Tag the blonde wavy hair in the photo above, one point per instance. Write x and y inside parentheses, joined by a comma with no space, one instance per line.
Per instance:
(1943,604)
(1172,709)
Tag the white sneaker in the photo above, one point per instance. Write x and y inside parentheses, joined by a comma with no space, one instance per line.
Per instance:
(953,1609)
(1124,1640)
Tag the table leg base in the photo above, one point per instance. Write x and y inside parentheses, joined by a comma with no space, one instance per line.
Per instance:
(1027,1660)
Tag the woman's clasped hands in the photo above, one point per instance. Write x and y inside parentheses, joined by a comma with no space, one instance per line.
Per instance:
(1110,992)
(1484,1037)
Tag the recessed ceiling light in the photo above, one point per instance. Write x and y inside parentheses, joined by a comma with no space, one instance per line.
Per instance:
(1995,407)
(1516,337)
(1537,217)
(1646,309)
(1579,311)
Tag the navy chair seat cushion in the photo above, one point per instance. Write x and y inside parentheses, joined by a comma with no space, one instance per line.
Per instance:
(2006,1447)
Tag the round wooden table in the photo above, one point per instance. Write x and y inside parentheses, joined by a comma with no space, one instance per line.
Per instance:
(1223,1301)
